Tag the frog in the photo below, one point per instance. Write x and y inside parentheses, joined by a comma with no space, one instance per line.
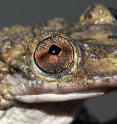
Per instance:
(54,63)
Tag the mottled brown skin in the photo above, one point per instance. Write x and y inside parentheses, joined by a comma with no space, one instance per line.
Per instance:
(86,58)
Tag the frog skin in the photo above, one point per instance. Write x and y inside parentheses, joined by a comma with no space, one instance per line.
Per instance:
(54,63)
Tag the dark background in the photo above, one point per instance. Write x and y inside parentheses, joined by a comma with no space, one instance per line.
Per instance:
(30,12)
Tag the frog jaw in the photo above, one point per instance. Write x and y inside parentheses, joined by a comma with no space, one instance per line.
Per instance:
(36,92)
(39,94)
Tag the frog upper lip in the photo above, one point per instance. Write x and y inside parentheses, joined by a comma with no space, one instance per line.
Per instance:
(15,91)
(60,97)
(56,97)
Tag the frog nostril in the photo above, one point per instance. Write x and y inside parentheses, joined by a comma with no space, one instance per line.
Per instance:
(54,50)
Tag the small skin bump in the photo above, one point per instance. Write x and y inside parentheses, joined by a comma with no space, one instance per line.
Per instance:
(97,14)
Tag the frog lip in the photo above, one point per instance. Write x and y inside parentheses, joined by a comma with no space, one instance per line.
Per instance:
(39,93)
(57,97)
(54,96)
(62,96)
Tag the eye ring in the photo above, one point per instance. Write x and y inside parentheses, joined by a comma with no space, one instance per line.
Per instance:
(54,55)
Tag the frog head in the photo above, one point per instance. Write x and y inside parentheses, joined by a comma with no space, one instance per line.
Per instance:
(68,65)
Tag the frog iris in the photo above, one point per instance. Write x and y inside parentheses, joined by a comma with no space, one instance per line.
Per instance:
(54,55)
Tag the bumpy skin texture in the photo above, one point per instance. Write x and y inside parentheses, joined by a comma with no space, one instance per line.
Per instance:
(55,58)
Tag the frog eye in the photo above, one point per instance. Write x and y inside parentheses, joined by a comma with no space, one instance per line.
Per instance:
(54,55)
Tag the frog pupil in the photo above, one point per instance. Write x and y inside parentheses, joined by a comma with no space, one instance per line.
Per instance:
(54,50)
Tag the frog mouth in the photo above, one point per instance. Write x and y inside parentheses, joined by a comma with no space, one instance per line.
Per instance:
(32,93)
(58,97)
(63,96)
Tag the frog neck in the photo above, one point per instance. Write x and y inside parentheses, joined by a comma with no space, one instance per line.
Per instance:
(59,113)
(43,113)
